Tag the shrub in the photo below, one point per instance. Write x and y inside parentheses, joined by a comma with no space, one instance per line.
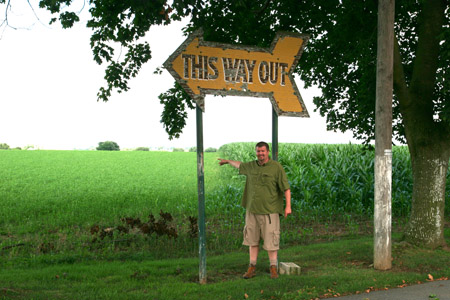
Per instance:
(108,146)
(211,149)
(193,149)
(142,149)
(4,146)
(178,150)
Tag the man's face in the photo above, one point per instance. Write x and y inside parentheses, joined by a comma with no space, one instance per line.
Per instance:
(262,154)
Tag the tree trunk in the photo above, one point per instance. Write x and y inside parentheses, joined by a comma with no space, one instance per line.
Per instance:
(428,139)
(429,168)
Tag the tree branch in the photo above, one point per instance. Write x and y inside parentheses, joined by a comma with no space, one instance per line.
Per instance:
(426,61)
(5,21)
(35,14)
(400,86)
(263,8)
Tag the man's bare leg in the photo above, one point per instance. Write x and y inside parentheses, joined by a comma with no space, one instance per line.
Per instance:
(273,257)
(251,272)
(254,250)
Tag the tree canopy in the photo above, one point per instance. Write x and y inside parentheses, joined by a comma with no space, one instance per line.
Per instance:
(108,146)
(340,57)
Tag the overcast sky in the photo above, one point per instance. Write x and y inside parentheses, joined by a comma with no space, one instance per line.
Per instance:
(49,83)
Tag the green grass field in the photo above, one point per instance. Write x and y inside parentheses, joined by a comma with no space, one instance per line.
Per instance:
(55,197)
(58,189)
(63,232)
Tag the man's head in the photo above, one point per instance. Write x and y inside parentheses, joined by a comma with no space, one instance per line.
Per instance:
(262,152)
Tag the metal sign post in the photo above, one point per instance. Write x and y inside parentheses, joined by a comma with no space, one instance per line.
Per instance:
(201,197)
(274,135)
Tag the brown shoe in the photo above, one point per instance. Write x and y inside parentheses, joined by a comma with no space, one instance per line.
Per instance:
(251,272)
(273,272)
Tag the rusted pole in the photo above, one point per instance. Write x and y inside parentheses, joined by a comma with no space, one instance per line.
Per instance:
(383,136)
(201,197)
(274,135)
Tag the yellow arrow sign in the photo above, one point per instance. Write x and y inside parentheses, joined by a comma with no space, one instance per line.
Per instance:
(223,69)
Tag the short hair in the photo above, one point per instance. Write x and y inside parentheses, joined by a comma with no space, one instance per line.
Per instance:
(263,144)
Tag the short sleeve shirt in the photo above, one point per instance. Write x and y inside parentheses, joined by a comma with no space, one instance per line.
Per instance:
(264,187)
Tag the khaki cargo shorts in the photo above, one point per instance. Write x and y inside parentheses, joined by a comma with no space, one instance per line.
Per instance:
(266,227)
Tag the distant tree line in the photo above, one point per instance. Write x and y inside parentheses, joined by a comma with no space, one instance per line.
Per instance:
(111,146)
(4,146)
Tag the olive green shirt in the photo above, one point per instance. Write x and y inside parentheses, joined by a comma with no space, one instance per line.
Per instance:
(264,187)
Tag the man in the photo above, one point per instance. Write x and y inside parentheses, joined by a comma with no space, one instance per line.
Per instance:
(265,187)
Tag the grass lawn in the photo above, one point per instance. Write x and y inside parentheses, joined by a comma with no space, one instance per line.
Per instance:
(328,269)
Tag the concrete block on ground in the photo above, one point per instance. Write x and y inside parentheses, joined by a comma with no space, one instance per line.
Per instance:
(289,268)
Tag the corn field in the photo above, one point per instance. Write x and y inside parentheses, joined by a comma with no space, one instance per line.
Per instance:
(329,181)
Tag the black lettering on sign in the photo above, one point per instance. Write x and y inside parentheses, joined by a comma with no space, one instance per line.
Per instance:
(186,58)
(268,72)
(273,77)
(263,72)
(250,67)
(205,67)
(235,69)
(228,70)
(241,72)
(211,62)
(283,67)
(196,65)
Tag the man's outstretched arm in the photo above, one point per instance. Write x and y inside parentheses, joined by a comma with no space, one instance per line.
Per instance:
(287,210)
(233,163)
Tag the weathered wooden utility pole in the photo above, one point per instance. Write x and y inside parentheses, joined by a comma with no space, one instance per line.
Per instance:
(383,136)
